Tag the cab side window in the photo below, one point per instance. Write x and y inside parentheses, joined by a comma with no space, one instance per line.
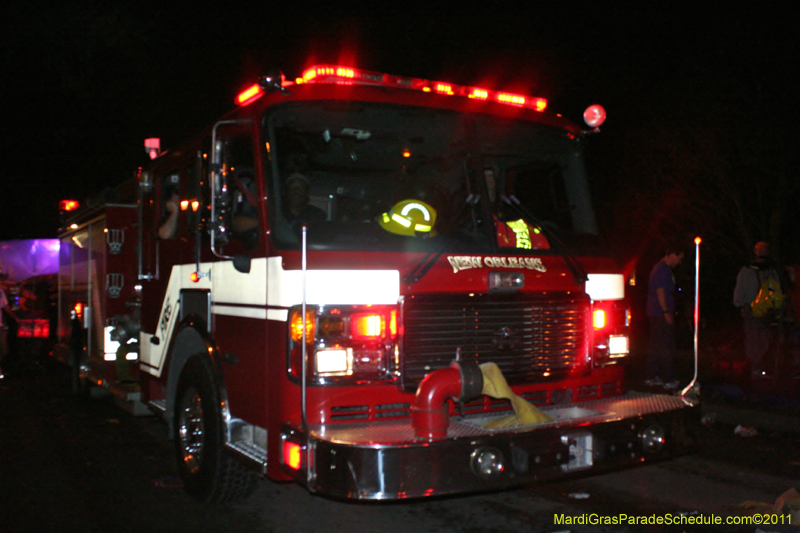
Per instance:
(242,186)
(170,202)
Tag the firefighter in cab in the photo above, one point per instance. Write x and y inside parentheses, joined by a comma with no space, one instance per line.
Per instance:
(512,232)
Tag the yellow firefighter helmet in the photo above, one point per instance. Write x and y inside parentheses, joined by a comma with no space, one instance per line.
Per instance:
(409,217)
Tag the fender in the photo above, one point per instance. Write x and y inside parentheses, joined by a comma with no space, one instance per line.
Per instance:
(192,338)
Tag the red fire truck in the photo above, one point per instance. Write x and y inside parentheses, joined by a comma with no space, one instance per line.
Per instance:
(332,283)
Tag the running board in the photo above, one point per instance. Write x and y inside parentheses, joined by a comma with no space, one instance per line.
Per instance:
(159,407)
(248,443)
(129,400)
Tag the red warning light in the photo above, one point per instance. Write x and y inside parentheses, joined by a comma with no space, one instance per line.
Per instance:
(594,116)
(513,99)
(249,95)
(69,205)
(152,147)
(480,94)
(444,88)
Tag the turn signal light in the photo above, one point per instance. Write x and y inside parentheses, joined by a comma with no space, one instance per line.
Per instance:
(599,319)
(292,456)
(296,325)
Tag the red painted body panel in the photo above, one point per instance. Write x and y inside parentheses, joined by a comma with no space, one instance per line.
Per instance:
(248,380)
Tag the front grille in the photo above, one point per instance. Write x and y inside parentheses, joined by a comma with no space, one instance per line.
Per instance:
(350,412)
(532,337)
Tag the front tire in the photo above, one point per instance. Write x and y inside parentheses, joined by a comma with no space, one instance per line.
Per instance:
(209,475)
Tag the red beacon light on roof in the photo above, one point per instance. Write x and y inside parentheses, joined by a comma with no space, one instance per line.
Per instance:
(69,205)
(152,147)
(594,116)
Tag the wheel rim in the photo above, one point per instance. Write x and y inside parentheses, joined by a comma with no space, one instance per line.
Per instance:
(191,430)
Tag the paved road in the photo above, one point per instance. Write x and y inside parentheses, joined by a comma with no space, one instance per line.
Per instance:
(72,464)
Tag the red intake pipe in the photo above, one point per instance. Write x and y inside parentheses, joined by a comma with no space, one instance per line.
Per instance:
(430,414)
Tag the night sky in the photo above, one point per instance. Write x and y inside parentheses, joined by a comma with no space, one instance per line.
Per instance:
(83,83)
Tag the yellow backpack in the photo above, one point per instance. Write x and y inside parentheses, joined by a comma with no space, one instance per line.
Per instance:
(769,300)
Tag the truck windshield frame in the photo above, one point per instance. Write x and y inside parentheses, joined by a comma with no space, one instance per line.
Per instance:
(385,177)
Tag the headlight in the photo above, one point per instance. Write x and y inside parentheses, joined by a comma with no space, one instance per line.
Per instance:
(617,345)
(610,324)
(344,343)
(335,361)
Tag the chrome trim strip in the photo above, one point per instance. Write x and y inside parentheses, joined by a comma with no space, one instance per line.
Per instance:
(244,312)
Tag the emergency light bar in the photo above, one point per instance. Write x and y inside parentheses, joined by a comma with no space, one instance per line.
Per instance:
(338,75)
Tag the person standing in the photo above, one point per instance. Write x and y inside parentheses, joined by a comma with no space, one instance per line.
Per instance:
(748,283)
(661,315)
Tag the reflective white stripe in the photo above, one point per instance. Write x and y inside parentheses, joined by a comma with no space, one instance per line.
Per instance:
(266,285)
(331,287)
(246,312)
(231,286)
(145,356)
(109,347)
(151,355)
(281,315)
(605,287)
(418,207)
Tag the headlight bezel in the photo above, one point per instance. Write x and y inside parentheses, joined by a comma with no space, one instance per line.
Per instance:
(345,344)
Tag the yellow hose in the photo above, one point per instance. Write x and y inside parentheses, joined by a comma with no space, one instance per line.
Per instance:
(525,413)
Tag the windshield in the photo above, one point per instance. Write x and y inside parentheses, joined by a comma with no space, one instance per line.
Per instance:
(382,177)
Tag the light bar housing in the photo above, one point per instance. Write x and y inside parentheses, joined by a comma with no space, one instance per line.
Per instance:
(354,76)
(341,75)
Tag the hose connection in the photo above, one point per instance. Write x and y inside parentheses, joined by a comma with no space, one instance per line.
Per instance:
(430,414)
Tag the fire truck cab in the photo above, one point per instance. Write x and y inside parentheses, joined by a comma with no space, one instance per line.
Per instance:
(367,283)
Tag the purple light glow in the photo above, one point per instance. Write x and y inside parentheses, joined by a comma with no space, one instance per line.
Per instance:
(24,259)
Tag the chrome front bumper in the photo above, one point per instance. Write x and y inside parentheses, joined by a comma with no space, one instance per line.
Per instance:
(385,461)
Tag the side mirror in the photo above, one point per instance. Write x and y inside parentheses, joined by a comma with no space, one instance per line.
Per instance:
(241,262)
(145,181)
(220,208)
